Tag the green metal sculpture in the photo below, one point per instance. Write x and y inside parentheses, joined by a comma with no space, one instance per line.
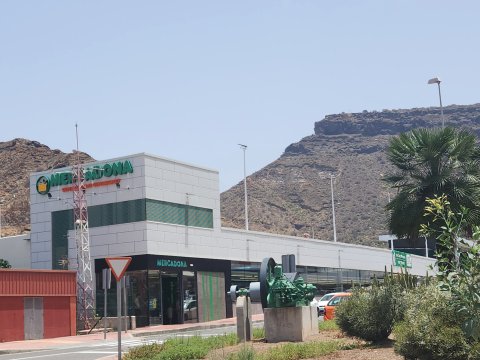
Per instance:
(277,289)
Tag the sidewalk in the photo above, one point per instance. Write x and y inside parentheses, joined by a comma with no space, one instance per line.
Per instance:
(79,340)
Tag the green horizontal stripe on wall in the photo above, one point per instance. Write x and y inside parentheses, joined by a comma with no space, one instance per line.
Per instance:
(122,213)
(179,214)
(200,217)
(166,212)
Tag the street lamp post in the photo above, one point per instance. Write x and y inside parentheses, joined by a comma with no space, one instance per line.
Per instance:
(333,210)
(244,147)
(438,81)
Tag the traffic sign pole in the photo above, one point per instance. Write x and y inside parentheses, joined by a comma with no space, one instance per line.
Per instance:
(106,280)
(119,265)
(119,318)
(124,290)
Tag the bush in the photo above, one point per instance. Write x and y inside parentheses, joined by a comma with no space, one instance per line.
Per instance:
(144,352)
(370,313)
(431,328)
(4,264)
(474,353)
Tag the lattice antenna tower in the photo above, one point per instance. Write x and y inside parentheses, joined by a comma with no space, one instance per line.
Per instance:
(85,286)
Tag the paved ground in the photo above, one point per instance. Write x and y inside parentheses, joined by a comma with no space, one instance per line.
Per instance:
(94,346)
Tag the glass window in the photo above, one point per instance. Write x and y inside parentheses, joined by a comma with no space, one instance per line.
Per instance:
(138,296)
(190,313)
(154,297)
(326,297)
(243,273)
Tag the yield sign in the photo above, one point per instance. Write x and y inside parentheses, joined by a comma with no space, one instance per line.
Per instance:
(118,265)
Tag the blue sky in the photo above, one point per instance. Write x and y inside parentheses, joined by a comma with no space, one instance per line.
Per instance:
(189,80)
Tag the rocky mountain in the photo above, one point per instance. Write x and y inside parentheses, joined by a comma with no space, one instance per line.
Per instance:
(19,158)
(292,195)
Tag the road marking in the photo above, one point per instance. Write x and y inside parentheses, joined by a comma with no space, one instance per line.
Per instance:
(95,352)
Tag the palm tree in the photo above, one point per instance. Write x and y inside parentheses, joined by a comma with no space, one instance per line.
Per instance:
(432,162)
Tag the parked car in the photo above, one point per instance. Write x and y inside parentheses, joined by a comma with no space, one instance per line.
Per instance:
(334,301)
(323,302)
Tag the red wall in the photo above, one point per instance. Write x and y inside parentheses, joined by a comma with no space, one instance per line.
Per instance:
(11,318)
(37,282)
(56,317)
(58,289)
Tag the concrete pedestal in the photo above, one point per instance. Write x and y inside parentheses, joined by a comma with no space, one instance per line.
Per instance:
(244,319)
(290,323)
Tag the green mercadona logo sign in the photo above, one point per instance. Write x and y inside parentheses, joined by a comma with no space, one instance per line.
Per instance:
(45,183)
(171,263)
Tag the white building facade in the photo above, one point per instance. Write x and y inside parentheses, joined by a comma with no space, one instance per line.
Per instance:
(165,214)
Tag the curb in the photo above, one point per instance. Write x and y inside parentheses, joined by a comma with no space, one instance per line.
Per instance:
(6,352)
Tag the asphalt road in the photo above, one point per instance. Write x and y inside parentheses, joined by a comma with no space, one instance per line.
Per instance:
(99,350)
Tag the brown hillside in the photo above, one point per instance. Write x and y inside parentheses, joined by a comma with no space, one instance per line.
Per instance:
(292,194)
(19,158)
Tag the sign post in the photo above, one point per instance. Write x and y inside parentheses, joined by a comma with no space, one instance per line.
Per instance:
(119,265)
(106,284)
(125,282)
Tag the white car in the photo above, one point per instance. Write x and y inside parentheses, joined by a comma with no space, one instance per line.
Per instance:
(323,302)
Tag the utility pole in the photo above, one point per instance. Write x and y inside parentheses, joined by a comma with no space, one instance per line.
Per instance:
(244,147)
(333,210)
(438,81)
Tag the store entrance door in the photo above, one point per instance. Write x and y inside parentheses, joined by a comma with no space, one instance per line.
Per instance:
(170,299)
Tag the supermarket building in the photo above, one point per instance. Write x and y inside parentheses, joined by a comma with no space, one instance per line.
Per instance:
(165,214)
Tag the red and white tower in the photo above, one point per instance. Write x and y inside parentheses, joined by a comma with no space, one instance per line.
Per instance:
(85,281)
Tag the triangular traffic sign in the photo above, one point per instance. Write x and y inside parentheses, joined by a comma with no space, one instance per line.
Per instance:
(118,265)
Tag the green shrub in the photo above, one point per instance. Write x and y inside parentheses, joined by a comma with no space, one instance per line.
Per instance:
(247,353)
(474,353)
(258,333)
(431,328)
(296,351)
(458,261)
(143,352)
(5,264)
(180,348)
(370,313)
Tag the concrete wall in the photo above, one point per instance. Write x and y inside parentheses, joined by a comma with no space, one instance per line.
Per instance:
(240,245)
(16,250)
(132,186)
(254,246)
(182,183)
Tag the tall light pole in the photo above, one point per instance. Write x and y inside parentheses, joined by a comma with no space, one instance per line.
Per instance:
(333,210)
(438,81)
(244,147)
